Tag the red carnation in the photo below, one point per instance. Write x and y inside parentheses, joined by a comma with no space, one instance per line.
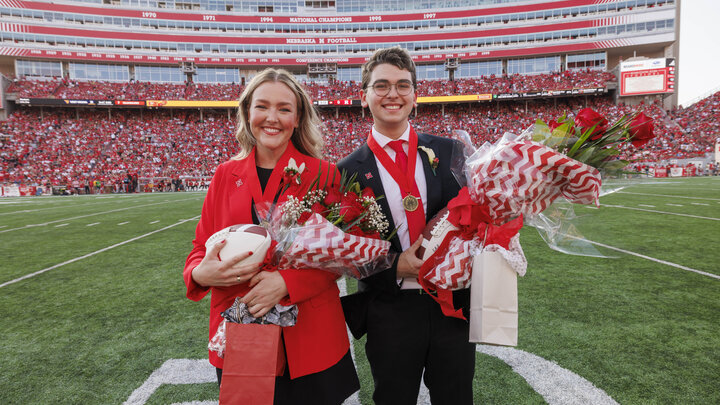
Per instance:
(641,130)
(587,118)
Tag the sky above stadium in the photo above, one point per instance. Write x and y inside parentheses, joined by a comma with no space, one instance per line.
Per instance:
(699,50)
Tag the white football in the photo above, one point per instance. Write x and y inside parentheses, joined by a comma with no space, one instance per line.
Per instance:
(240,239)
(434,234)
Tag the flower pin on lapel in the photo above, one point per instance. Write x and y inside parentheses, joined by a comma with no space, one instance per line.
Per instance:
(432,159)
(293,172)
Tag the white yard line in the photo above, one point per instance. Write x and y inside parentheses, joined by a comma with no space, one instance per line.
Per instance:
(182,221)
(120,199)
(672,196)
(123,223)
(154,222)
(703,204)
(646,205)
(90,215)
(679,266)
(657,212)
(93,224)
(675,205)
(61,225)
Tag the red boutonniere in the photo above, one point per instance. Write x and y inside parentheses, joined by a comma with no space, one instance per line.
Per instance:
(293,172)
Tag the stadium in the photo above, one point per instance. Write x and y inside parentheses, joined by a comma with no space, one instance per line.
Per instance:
(115,114)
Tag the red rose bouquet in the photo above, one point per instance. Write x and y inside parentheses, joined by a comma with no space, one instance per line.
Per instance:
(336,227)
(515,180)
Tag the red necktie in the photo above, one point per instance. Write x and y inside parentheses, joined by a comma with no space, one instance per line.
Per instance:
(401,159)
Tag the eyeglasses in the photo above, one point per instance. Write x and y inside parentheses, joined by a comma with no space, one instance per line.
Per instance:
(382,87)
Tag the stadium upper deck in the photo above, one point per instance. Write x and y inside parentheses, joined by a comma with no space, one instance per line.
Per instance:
(254,34)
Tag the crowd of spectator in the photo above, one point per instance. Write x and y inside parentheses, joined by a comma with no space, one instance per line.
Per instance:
(63,146)
(331,90)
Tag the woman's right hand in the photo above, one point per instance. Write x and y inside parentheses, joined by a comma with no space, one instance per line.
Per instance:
(212,272)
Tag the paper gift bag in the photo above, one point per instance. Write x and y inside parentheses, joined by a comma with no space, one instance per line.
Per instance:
(254,355)
(493,301)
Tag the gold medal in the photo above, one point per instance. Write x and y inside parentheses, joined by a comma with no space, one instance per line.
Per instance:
(410,203)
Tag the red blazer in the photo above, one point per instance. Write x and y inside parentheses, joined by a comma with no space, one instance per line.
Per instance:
(319,338)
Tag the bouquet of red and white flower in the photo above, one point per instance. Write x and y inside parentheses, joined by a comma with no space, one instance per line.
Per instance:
(336,227)
(514,181)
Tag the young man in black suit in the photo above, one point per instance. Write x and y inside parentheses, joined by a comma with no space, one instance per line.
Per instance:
(407,333)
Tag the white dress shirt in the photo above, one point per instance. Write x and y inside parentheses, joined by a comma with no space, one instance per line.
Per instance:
(394,195)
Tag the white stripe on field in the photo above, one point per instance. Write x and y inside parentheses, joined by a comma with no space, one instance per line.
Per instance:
(675,205)
(555,384)
(93,224)
(154,222)
(703,204)
(123,223)
(182,221)
(58,206)
(665,195)
(61,225)
(646,205)
(679,266)
(90,215)
(657,212)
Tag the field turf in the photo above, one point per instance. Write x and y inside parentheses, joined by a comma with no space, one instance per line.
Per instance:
(92,301)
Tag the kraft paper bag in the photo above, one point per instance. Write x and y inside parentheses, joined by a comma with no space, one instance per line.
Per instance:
(493,301)
(254,355)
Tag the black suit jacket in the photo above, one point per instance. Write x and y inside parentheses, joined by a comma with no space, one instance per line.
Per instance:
(441,188)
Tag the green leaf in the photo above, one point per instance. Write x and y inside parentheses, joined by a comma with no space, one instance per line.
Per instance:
(541,132)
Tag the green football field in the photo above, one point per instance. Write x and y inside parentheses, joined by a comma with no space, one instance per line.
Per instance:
(93,307)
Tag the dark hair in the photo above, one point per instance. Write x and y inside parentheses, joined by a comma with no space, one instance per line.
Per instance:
(396,56)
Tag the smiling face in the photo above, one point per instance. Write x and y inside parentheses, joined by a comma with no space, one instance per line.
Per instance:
(273,116)
(390,112)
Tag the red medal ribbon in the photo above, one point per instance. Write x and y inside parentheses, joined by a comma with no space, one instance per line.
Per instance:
(406,181)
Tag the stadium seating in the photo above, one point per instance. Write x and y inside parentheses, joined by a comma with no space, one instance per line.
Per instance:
(65,146)
(334,90)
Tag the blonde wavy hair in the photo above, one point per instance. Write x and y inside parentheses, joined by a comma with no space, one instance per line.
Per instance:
(307,137)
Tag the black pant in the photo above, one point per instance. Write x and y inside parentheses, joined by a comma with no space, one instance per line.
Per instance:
(407,334)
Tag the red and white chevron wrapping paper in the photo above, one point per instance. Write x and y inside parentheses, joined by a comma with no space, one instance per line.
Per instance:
(321,245)
(515,177)
(524,177)
(455,270)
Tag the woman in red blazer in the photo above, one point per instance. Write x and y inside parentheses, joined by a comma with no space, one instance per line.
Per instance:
(276,122)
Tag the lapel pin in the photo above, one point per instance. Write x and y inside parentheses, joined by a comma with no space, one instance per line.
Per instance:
(368,175)
(239,183)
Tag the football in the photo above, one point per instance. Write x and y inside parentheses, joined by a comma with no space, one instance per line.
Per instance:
(242,238)
(434,233)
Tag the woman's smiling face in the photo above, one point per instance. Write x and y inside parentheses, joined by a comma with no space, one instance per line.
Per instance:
(273,116)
